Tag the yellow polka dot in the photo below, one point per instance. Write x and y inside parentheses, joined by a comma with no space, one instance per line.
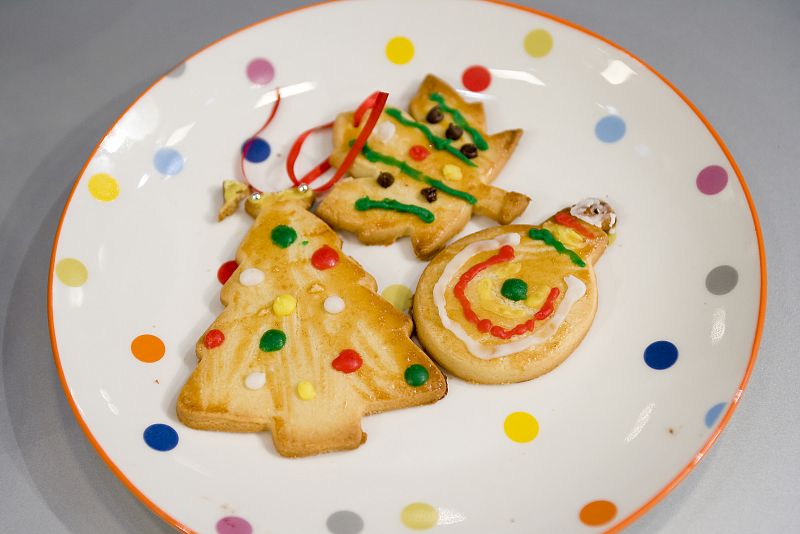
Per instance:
(103,187)
(419,516)
(451,172)
(284,305)
(399,50)
(521,427)
(71,272)
(538,43)
(399,296)
(306,391)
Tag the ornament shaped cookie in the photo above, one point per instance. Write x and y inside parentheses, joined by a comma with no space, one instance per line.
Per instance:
(422,174)
(305,346)
(510,303)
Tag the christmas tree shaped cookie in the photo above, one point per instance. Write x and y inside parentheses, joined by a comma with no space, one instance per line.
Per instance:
(421,174)
(305,346)
(510,303)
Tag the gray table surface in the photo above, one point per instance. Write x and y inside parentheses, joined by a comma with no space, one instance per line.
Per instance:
(68,68)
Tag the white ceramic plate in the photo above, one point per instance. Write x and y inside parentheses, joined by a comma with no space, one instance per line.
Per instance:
(138,251)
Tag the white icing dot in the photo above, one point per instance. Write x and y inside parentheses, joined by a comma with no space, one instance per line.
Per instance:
(334,304)
(251,277)
(385,131)
(255,380)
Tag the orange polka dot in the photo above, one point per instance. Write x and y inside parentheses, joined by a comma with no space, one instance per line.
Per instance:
(147,348)
(598,513)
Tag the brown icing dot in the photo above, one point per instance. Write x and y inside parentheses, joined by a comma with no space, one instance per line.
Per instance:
(385,179)
(469,150)
(435,115)
(454,132)
(429,193)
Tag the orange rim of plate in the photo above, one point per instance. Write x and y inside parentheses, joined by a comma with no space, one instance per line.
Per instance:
(652,501)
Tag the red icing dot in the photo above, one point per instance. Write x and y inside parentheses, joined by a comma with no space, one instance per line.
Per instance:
(226,270)
(418,152)
(476,78)
(214,338)
(348,361)
(324,258)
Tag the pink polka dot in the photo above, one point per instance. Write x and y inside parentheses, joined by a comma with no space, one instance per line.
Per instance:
(260,71)
(233,525)
(712,180)
(476,78)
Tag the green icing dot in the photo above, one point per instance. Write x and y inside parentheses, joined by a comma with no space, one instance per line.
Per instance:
(304,242)
(514,289)
(283,235)
(416,375)
(272,340)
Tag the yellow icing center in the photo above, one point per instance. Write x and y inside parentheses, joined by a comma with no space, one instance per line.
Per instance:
(536,297)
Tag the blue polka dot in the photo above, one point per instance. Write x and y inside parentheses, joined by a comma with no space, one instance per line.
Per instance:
(713,413)
(661,355)
(257,151)
(161,437)
(168,161)
(610,129)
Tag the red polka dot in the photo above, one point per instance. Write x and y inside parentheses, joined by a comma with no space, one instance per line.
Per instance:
(226,270)
(214,338)
(476,78)
(418,152)
(348,361)
(324,258)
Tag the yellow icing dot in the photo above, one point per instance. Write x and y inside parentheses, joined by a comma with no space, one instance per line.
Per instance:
(569,237)
(71,272)
(488,297)
(507,270)
(103,187)
(451,172)
(399,50)
(284,305)
(538,43)
(521,427)
(305,390)
(537,296)
(399,296)
(419,516)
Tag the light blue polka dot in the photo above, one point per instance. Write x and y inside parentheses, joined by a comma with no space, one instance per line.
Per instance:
(168,161)
(713,413)
(610,129)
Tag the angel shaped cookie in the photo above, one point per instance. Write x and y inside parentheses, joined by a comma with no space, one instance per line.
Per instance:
(421,174)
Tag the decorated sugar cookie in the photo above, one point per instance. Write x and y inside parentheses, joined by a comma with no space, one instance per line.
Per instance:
(510,303)
(305,346)
(422,174)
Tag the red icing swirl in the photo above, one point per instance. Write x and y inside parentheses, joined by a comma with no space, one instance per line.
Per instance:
(324,257)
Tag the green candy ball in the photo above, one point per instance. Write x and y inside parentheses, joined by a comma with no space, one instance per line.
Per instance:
(514,289)
(272,340)
(283,235)
(416,375)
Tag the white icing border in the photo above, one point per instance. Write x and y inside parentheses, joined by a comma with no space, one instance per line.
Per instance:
(576,289)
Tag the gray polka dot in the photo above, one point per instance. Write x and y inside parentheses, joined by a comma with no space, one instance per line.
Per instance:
(177,71)
(722,280)
(345,522)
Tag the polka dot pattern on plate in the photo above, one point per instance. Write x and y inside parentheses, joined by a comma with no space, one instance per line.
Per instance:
(400,50)
(226,270)
(713,414)
(71,272)
(399,296)
(234,525)
(722,280)
(260,71)
(598,513)
(521,427)
(419,516)
(344,522)
(103,187)
(160,437)
(610,129)
(538,43)
(476,78)
(148,348)
(660,355)
(256,150)
(712,179)
(178,71)
(168,161)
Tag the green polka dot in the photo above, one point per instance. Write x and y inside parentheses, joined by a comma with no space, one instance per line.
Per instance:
(514,289)
(272,340)
(283,235)
(416,375)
